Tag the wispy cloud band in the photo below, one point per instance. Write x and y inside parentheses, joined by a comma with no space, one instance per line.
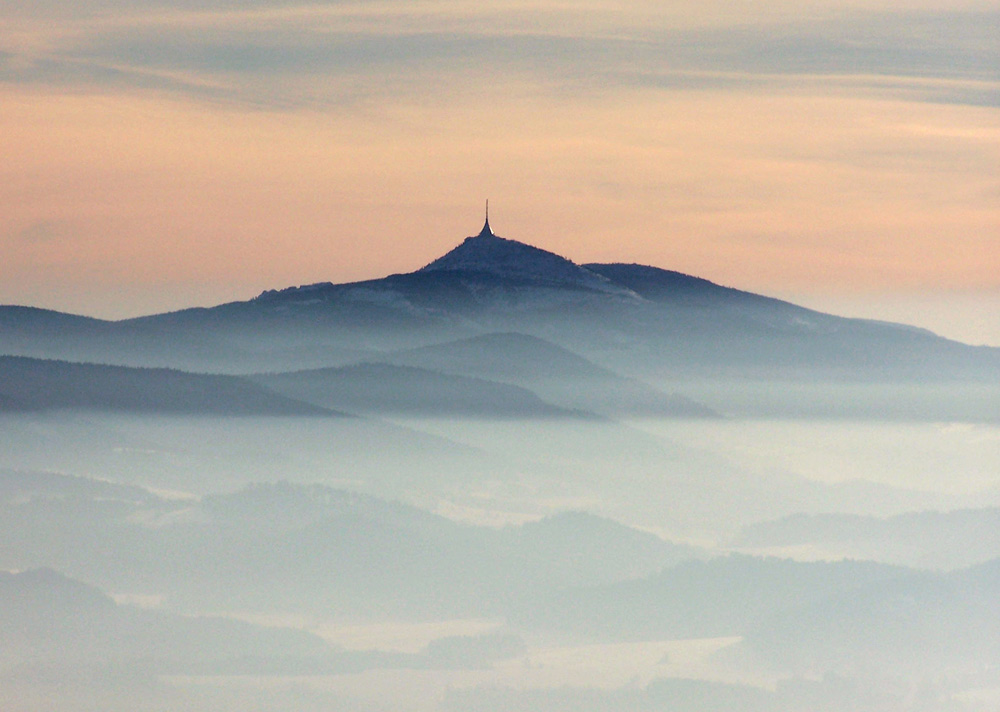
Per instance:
(262,57)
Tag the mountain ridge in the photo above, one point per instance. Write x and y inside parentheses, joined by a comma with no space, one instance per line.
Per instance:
(39,385)
(385,388)
(638,320)
(556,374)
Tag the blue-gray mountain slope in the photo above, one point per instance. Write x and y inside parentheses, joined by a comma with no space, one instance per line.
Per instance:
(36,385)
(635,319)
(387,389)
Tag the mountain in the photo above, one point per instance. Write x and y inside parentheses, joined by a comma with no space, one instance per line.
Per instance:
(698,326)
(636,320)
(43,322)
(308,548)
(385,389)
(52,622)
(927,539)
(48,617)
(929,623)
(71,647)
(489,254)
(28,331)
(32,385)
(557,374)
(721,597)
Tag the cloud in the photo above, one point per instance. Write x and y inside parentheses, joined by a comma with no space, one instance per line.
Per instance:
(295,55)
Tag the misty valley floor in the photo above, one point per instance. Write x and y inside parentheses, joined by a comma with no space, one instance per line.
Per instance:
(484,564)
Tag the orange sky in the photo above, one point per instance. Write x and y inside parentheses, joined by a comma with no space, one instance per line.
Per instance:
(249,151)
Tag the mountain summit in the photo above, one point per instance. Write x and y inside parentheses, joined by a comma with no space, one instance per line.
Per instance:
(633,319)
(494,255)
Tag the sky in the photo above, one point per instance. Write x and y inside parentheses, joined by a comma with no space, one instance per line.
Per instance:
(159,154)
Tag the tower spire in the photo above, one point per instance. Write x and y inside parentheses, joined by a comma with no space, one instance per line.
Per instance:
(487,231)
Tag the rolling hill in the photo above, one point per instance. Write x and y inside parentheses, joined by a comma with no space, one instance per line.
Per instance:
(35,385)
(557,374)
(387,389)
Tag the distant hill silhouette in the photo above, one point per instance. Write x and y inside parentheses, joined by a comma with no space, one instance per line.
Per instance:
(726,596)
(926,623)
(383,388)
(927,539)
(309,547)
(557,374)
(48,617)
(637,320)
(28,384)
(56,628)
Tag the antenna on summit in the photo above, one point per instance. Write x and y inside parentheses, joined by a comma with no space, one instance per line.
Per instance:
(487,231)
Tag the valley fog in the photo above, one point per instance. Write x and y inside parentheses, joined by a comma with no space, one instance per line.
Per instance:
(653,474)
(261,521)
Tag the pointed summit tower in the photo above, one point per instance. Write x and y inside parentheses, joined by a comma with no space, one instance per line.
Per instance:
(489,254)
(487,231)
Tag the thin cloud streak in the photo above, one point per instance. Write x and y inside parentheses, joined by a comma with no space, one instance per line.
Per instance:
(258,53)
